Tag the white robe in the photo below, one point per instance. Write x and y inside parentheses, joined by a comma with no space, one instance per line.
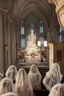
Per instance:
(35,76)
(52,77)
(57,90)
(23,85)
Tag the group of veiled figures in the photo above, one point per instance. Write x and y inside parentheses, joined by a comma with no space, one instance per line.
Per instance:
(19,83)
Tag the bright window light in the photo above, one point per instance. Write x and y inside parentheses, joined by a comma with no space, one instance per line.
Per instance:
(39,43)
(45,43)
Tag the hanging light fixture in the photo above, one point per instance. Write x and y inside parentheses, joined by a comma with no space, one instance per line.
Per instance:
(59,10)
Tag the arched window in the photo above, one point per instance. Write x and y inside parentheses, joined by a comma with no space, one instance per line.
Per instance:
(60,34)
(31,29)
(22,35)
(22,42)
(41,27)
(22,28)
(41,33)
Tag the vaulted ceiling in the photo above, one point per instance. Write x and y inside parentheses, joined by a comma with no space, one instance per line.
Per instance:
(19,9)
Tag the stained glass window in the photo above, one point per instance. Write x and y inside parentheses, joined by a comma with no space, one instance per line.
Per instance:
(41,27)
(22,35)
(41,33)
(60,34)
(32,29)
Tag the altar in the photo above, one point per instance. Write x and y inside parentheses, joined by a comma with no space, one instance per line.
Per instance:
(31,60)
(32,52)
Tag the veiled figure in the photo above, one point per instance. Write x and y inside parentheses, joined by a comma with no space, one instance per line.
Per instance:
(23,85)
(52,77)
(57,90)
(11,73)
(35,76)
(1,76)
(6,85)
(9,94)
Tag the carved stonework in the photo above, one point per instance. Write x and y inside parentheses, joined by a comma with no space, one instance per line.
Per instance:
(59,10)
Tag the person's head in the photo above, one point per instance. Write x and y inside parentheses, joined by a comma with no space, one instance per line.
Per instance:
(6,85)
(21,74)
(56,68)
(57,90)
(33,68)
(52,77)
(11,72)
(9,94)
(21,79)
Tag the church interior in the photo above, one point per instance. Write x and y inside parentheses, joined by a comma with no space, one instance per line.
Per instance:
(31,47)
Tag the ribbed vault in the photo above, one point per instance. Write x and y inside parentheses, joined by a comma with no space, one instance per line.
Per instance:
(19,9)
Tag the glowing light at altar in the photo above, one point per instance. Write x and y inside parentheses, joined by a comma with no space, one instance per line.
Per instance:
(45,43)
(39,43)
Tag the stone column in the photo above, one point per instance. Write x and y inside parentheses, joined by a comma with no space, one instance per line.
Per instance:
(9,42)
(2,43)
(5,35)
(49,33)
(17,43)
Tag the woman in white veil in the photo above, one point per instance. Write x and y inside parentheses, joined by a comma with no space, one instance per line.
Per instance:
(23,85)
(6,85)
(57,90)
(9,94)
(11,72)
(35,76)
(52,77)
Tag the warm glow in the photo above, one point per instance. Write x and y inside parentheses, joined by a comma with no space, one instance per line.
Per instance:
(45,43)
(39,43)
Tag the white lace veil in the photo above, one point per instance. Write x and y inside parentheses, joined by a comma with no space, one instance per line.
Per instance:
(57,90)
(9,94)
(23,85)
(35,76)
(52,77)
(11,72)
(6,85)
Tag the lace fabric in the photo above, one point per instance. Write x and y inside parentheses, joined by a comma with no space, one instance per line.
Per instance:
(52,77)
(35,76)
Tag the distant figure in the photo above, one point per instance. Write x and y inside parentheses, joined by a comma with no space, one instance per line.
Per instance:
(23,85)
(9,94)
(43,57)
(1,76)
(57,90)
(11,73)
(52,77)
(6,85)
(35,76)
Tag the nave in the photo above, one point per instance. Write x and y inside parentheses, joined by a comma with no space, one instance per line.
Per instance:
(31,47)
